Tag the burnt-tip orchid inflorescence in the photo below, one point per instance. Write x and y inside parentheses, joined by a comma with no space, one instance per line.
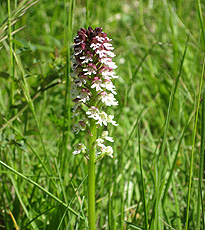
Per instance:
(92,87)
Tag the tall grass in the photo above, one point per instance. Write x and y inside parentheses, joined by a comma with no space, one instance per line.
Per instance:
(156,179)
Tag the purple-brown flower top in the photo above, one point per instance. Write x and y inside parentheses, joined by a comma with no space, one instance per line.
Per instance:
(92,77)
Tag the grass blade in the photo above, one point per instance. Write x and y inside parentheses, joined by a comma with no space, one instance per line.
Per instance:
(201,166)
(143,185)
(11,54)
(133,225)
(201,23)
(192,152)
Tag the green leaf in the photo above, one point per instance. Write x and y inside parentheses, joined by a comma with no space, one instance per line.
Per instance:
(133,225)
(18,42)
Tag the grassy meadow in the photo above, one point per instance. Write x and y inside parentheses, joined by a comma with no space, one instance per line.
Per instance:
(156,178)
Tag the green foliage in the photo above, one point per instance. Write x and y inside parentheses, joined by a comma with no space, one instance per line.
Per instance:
(152,179)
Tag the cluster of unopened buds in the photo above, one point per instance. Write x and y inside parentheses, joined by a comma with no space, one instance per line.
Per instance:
(92,87)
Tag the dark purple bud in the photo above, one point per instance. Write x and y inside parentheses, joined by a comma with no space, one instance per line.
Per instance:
(84,30)
(81,33)
(88,33)
(98,30)
(90,29)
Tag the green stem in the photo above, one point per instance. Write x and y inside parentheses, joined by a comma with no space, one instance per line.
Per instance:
(91,177)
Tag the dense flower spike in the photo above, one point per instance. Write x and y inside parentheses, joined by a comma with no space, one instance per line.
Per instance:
(92,87)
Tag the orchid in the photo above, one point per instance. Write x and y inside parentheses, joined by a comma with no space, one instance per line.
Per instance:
(91,91)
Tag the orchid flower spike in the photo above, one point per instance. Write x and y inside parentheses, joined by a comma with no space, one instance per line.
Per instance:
(93,89)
